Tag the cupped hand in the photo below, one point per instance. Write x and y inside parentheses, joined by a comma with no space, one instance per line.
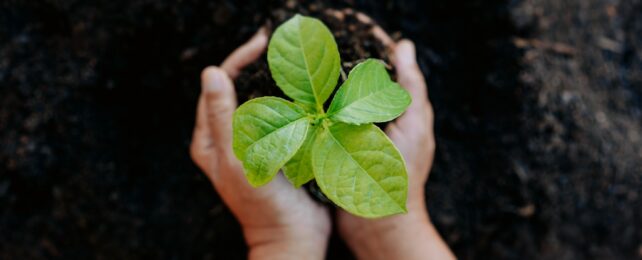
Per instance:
(411,235)
(278,220)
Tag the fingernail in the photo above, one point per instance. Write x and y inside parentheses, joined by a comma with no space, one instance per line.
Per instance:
(217,80)
(406,53)
(212,79)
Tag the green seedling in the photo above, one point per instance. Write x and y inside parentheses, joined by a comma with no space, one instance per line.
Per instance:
(353,161)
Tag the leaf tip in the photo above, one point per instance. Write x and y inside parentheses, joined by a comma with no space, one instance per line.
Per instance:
(408,97)
(256,183)
(298,184)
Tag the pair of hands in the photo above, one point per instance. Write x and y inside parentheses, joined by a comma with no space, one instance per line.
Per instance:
(282,222)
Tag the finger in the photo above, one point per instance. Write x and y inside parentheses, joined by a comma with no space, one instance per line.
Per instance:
(220,103)
(413,131)
(201,146)
(377,31)
(409,75)
(201,139)
(418,118)
(246,54)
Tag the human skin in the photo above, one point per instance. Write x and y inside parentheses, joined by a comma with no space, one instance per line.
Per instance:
(411,235)
(281,222)
(278,221)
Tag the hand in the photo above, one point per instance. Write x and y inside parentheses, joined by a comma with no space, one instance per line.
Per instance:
(411,235)
(278,221)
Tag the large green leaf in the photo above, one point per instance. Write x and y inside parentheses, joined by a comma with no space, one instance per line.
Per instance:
(360,170)
(268,131)
(368,96)
(299,169)
(304,61)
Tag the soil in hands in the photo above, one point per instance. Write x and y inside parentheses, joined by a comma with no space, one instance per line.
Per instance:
(537,108)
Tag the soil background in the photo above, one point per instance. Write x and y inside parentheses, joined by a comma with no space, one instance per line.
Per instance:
(538,123)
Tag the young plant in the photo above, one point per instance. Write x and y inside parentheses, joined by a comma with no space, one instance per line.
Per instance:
(353,161)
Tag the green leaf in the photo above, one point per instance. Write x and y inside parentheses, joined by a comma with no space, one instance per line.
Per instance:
(299,169)
(368,96)
(360,170)
(304,61)
(267,132)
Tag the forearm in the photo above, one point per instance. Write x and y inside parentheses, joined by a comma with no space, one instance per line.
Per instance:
(408,236)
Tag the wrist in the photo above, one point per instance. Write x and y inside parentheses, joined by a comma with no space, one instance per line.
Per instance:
(400,224)
(405,236)
(362,231)
(286,243)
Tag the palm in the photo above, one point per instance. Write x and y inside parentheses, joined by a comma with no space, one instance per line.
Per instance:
(412,134)
(277,204)
(275,207)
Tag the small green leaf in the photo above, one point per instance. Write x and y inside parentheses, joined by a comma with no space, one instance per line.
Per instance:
(368,96)
(267,132)
(304,61)
(360,170)
(299,169)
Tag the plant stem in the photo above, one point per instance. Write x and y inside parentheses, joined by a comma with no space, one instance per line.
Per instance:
(344,77)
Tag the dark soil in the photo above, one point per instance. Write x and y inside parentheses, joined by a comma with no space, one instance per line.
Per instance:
(355,43)
(538,124)
(353,38)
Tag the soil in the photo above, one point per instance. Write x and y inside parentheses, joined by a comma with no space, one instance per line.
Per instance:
(538,109)
(355,44)
(354,40)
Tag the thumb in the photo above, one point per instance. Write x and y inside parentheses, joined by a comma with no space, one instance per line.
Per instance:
(419,114)
(220,103)
(413,130)
(409,75)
